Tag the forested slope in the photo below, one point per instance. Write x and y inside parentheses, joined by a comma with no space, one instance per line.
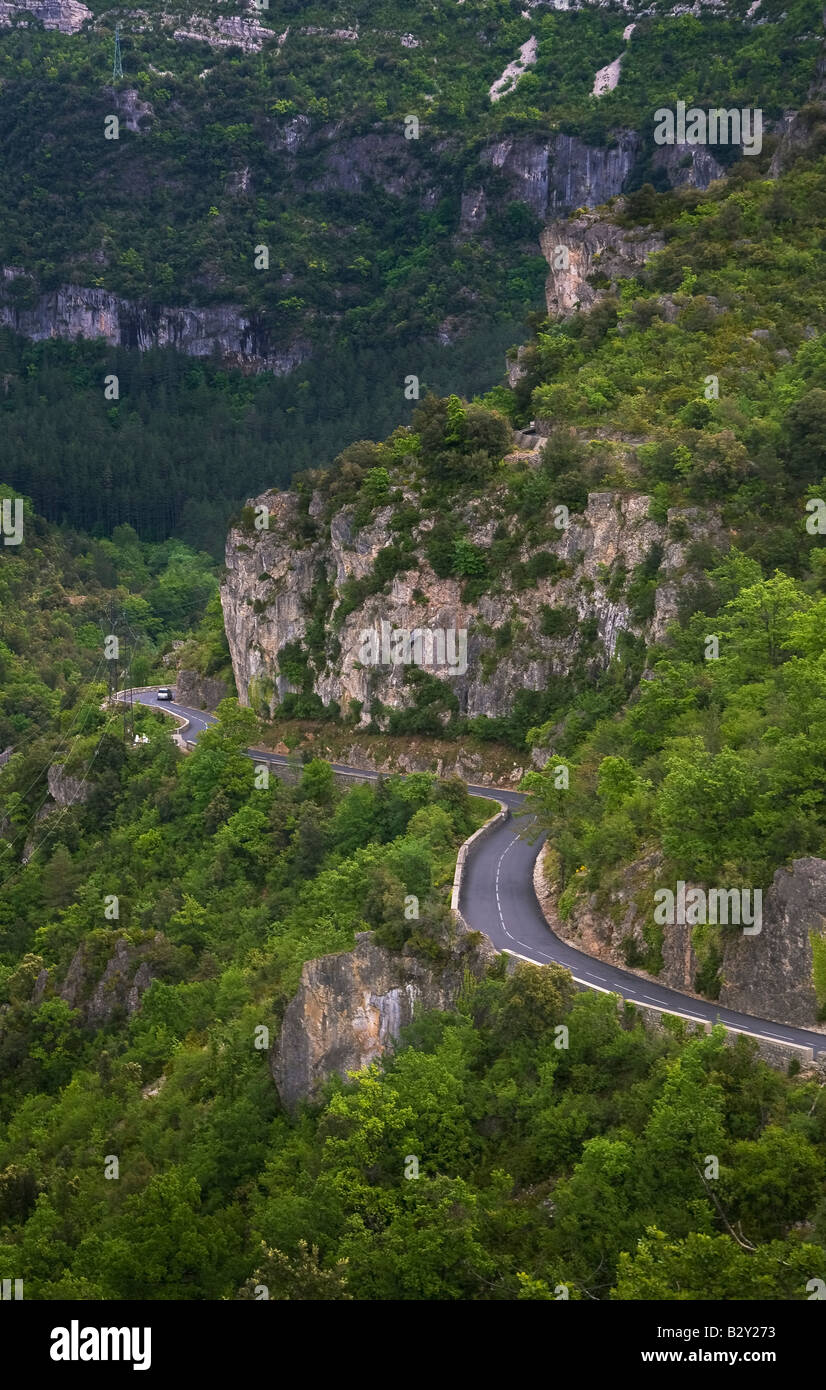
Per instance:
(134,1035)
(387,257)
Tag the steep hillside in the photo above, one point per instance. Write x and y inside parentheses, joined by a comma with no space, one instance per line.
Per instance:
(342,202)
(675,417)
(634,594)
(297,136)
(269,278)
(188,960)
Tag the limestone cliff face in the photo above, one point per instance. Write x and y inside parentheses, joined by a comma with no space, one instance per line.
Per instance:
(769,974)
(552,175)
(351,1007)
(560,172)
(73,311)
(226,31)
(587,256)
(268,602)
(126,976)
(204,692)
(687,166)
(66,790)
(66,15)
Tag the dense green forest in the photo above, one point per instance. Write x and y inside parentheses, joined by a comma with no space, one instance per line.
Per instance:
(153,925)
(187,441)
(156,214)
(543,1172)
(376,274)
(62,592)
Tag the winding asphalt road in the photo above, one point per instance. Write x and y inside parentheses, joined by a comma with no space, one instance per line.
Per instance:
(498,899)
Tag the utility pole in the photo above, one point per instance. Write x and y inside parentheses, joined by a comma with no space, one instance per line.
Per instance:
(117,65)
(118,664)
(111,650)
(129,713)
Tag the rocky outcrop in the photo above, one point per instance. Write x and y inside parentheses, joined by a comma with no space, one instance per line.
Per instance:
(75,311)
(612,927)
(771,974)
(587,256)
(514,70)
(66,790)
(687,166)
(800,133)
(126,976)
(606,79)
(561,172)
(135,115)
(470,767)
(204,692)
(350,1009)
(66,15)
(229,31)
(351,163)
(268,598)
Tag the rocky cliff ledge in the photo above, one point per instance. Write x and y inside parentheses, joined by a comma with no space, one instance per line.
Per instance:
(66,15)
(276,589)
(73,311)
(102,991)
(66,790)
(350,1008)
(587,256)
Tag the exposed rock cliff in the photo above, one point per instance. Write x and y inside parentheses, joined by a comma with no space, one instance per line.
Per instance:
(770,974)
(587,256)
(561,172)
(126,976)
(552,174)
(800,132)
(350,1009)
(135,115)
(75,311)
(228,31)
(271,590)
(66,15)
(66,790)
(692,166)
(205,692)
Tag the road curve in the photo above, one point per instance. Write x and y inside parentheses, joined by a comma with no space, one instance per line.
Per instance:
(498,899)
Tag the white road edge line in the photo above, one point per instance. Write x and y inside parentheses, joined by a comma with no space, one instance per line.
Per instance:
(661,1009)
(590,983)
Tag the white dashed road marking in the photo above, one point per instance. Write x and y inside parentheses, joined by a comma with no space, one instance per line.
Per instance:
(537,952)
